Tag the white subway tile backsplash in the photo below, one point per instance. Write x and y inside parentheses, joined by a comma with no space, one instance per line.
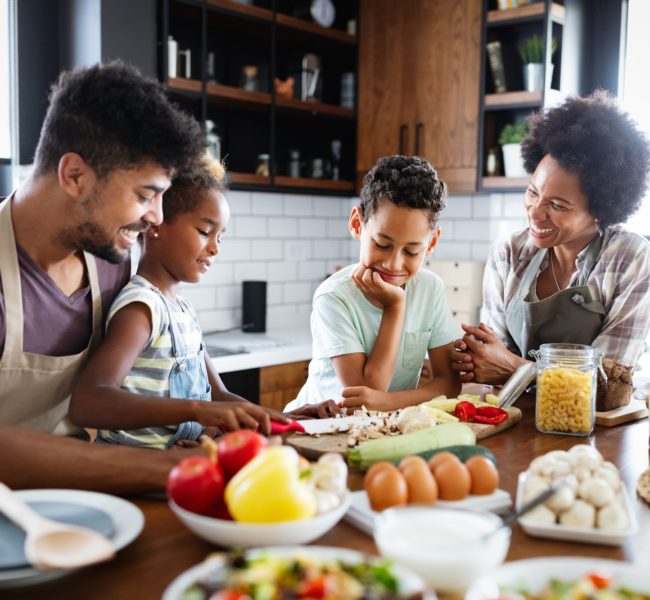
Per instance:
(513,206)
(480,251)
(473,230)
(325,206)
(298,205)
(274,294)
(251,271)
(240,203)
(234,250)
(220,273)
(251,227)
(201,297)
(311,270)
(458,207)
(337,228)
(267,204)
(452,251)
(211,320)
(297,249)
(312,228)
(488,207)
(229,296)
(327,248)
(282,227)
(268,249)
(289,316)
(447,228)
(282,271)
(298,292)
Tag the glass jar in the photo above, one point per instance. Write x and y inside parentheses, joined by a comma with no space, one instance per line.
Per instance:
(263,168)
(566,388)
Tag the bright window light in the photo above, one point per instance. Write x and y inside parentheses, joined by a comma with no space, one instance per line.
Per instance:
(5,133)
(636,89)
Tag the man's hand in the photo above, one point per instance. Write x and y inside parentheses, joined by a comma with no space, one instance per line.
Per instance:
(361,395)
(376,290)
(324,410)
(232,416)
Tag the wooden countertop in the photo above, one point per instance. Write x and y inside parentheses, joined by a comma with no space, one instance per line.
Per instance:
(166,548)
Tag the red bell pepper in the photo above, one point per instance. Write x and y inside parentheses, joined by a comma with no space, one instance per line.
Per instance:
(600,581)
(465,411)
(490,415)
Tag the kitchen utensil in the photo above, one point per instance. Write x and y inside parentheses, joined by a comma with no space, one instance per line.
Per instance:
(517,384)
(338,424)
(54,545)
(513,516)
(278,428)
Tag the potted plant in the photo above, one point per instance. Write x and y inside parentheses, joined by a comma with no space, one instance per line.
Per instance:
(531,51)
(510,140)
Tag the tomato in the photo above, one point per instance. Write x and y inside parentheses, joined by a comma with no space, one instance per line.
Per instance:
(237,448)
(196,484)
(220,511)
(599,581)
(313,588)
(229,595)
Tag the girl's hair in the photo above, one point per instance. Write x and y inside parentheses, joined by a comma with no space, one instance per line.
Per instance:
(408,181)
(185,192)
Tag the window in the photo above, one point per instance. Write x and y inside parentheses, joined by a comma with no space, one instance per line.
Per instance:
(636,88)
(5,88)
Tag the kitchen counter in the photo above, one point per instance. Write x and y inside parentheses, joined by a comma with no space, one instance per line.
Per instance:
(239,351)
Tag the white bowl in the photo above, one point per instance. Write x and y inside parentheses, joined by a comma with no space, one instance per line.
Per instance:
(233,534)
(535,573)
(441,544)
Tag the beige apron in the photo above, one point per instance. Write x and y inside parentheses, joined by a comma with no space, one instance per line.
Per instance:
(35,389)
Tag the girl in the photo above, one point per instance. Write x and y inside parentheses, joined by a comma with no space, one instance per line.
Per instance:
(151,381)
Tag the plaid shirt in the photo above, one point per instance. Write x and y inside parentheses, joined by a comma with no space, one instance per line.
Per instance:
(620,278)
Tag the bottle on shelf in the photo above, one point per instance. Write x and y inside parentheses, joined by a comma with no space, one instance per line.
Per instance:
(294,163)
(263,165)
(212,138)
(172,57)
(336,160)
(249,79)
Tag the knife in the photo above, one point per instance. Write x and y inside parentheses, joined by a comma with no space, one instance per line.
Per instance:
(336,425)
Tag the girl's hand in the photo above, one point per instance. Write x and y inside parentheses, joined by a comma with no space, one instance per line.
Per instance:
(361,395)
(232,416)
(376,290)
(323,410)
(490,361)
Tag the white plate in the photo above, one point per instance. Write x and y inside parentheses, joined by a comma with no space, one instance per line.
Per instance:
(363,517)
(577,534)
(409,582)
(535,573)
(128,521)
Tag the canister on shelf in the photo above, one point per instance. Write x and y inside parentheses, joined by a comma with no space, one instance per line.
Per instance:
(263,168)
(566,388)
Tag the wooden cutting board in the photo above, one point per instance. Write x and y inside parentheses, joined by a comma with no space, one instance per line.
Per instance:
(313,447)
(634,411)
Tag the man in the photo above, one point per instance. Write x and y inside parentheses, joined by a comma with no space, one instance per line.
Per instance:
(110,144)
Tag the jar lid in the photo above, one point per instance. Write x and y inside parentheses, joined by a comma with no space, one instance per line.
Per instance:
(517,384)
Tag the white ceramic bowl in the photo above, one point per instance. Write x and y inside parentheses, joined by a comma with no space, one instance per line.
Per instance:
(232,534)
(535,573)
(442,545)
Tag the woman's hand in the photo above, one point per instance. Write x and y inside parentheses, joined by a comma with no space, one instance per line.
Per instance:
(484,357)
(376,290)
(323,410)
(361,395)
(232,416)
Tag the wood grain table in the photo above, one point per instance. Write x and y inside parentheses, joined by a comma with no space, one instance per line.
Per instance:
(166,548)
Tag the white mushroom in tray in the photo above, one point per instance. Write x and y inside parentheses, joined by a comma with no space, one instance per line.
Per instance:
(581,514)
(596,491)
(612,517)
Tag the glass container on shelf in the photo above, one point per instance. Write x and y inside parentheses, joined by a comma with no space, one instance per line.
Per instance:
(263,168)
(294,163)
(212,138)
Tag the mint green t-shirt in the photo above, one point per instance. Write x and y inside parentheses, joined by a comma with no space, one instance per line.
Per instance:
(343,321)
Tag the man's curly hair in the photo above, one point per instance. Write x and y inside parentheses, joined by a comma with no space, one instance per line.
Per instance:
(408,181)
(594,138)
(115,118)
(185,192)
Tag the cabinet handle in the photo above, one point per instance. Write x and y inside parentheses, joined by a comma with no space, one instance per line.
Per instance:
(402,134)
(418,128)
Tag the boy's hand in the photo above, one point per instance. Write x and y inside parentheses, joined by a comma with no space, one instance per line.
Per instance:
(232,416)
(462,361)
(361,395)
(323,410)
(376,290)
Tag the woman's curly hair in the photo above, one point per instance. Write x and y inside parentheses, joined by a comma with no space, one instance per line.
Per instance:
(408,181)
(594,138)
(185,192)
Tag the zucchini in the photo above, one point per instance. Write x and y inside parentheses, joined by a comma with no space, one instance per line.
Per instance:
(463,452)
(394,448)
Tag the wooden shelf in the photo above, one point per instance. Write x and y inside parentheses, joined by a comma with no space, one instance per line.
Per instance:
(249,179)
(315,107)
(503,183)
(511,98)
(184,85)
(522,13)
(234,96)
(314,29)
(321,184)
(247,10)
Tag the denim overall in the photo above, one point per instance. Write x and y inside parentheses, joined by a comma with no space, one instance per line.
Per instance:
(189,377)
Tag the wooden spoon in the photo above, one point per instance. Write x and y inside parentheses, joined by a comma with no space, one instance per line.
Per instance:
(53,545)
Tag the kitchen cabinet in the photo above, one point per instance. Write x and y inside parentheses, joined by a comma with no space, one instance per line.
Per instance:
(225,40)
(279,384)
(419,85)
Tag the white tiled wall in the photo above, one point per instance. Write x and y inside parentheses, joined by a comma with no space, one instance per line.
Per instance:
(292,242)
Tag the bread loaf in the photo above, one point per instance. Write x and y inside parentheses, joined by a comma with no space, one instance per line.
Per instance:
(618,389)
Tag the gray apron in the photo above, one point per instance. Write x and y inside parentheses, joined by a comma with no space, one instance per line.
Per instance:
(573,315)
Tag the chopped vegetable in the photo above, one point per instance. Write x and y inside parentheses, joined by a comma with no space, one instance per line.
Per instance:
(465,411)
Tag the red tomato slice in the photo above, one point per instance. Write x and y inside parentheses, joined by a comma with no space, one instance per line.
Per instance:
(313,588)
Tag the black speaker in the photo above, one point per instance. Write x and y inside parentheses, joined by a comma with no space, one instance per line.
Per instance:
(254,306)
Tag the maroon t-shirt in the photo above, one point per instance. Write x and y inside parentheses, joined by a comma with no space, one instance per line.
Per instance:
(56,324)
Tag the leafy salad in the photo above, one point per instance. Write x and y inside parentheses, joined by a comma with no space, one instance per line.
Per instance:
(268,577)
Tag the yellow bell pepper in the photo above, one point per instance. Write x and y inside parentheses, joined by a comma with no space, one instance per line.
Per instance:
(269,489)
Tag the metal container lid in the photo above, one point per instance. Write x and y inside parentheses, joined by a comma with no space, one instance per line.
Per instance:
(517,384)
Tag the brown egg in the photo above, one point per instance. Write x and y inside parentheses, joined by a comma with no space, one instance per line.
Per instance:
(453,480)
(421,484)
(387,488)
(484,475)
(373,470)
(441,458)
(411,460)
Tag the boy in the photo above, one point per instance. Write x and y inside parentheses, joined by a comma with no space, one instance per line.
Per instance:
(373,323)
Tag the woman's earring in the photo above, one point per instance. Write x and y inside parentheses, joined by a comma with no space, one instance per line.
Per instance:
(155,235)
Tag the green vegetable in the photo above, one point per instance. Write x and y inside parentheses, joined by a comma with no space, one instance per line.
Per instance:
(462,452)
(399,446)
(492,400)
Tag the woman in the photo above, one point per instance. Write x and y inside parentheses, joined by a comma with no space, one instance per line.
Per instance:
(575,274)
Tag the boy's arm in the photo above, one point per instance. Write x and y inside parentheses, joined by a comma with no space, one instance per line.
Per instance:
(444,381)
(98,400)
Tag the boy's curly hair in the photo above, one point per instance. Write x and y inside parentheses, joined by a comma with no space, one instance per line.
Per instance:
(115,118)
(185,192)
(408,181)
(594,138)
